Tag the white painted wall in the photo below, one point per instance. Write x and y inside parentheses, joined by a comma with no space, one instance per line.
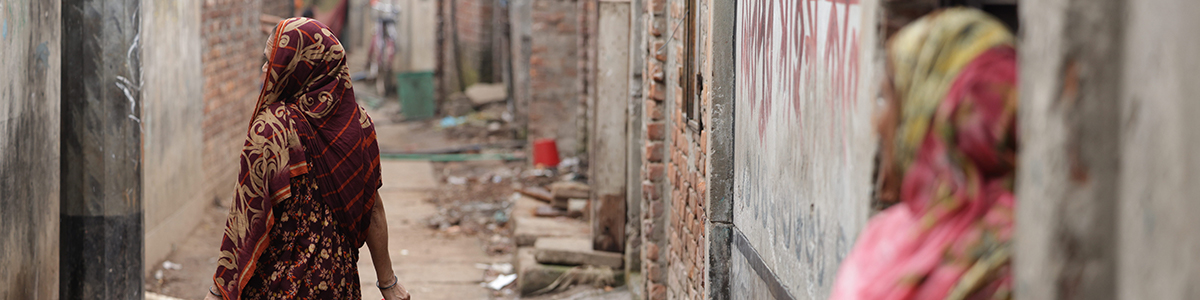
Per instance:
(804,144)
(1159,231)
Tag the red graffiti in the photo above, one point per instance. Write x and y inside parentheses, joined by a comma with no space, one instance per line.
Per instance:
(792,57)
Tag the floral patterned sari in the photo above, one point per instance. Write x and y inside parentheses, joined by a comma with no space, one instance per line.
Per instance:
(309,171)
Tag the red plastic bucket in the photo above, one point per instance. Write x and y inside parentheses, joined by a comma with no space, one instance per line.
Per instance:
(545,153)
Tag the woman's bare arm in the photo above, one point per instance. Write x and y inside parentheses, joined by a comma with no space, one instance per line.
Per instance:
(377,243)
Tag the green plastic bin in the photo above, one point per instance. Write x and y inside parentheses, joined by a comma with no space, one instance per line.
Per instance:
(416,95)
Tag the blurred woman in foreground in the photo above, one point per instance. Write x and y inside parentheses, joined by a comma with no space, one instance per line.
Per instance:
(948,152)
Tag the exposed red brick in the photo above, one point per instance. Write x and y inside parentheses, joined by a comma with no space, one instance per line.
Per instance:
(654,151)
(655,171)
(656,70)
(660,52)
(656,131)
(657,6)
(658,292)
(651,251)
(657,27)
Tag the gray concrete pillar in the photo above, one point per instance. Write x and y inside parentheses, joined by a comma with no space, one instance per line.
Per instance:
(521,37)
(101,173)
(634,143)
(1070,89)
(721,146)
(609,135)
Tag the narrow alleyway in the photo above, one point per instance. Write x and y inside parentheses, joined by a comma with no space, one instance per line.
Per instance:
(430,267)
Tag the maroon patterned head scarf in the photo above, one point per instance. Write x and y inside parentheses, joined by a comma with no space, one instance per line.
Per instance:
(306,121)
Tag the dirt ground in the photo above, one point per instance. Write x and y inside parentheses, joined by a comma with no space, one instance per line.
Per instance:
(448,221)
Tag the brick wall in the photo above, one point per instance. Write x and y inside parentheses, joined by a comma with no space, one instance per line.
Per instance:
(232,57)
(473,20)
(554,73)
(278,8)
(654,243)
(677,269)
(685,172)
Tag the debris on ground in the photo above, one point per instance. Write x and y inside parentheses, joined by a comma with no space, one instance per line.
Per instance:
(483,94)
(539,193)
(171,265)
(569,190)
(535,278)
(549,211)
(502,281)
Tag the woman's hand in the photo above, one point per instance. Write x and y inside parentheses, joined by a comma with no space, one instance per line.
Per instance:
(396,292)
(377,238)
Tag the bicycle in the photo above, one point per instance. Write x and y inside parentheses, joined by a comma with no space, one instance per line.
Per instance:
(383,45)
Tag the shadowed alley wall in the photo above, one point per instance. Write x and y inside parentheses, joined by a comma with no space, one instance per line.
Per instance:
(172,91)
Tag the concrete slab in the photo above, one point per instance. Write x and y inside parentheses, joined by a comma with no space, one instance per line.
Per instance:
(574,252)
(530,229)
(482,93)
(532,276)
(569,190)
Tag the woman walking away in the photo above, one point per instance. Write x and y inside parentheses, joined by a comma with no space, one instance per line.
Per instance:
(306,199)
(949,152)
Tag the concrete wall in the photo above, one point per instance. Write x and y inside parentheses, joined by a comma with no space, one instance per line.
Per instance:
(173,96)
(1107,183)
(1160,245)
(418,35)
(29,148)
(635,145)
(804,144)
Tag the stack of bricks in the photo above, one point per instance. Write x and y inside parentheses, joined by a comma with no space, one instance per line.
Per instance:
(233,53)
(686,169)
(654,243)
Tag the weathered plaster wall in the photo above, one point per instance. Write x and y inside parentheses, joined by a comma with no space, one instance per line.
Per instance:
(417,49)
(804,144)
(634,147)
(1160,245)
(609,137)
(171,125)
(29,148)
(1067,183)
(1107,184)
